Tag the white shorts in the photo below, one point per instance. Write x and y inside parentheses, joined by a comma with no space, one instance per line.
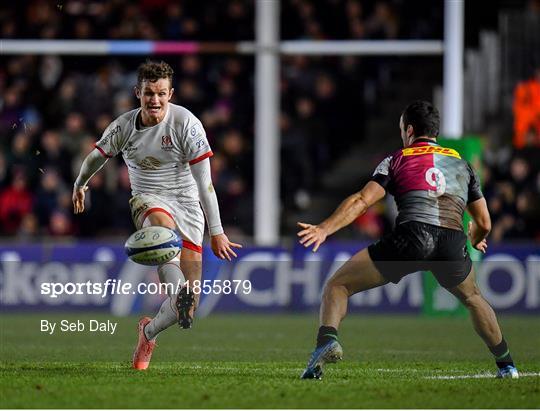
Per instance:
(189,217)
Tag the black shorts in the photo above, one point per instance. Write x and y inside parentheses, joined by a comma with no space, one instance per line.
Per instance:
(415,246)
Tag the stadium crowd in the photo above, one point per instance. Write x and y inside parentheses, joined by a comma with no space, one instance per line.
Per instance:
(217,20)
(54,108)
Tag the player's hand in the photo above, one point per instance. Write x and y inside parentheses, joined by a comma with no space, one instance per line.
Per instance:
(222,247)
(480,245)
(78,199)
(312,235)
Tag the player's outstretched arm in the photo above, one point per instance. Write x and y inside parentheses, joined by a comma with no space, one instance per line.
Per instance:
(480,227)
(90,166)
(222,247)
(348,211)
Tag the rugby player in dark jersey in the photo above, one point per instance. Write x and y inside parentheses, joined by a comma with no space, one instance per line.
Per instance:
(432,187)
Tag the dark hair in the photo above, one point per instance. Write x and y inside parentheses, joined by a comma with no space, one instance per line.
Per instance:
(153,71)
(423,117)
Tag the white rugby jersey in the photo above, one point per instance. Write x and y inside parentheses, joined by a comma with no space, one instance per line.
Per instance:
(158,157)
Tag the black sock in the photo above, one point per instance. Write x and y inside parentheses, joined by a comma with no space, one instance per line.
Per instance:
(326,334)
(502,354)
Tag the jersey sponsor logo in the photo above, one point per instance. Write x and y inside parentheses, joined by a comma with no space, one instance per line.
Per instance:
(149,163)
(129,149)
(166,143)
(106,138)
(418,151)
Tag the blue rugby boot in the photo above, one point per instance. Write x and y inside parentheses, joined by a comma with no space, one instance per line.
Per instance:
(508,371)
(330,352)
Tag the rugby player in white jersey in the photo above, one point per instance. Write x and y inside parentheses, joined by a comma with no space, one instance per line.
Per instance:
(167,154)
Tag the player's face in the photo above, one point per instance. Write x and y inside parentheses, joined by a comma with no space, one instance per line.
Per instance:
(154,97)
(406,134)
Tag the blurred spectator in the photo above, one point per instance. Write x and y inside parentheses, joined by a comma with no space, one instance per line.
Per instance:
(11,109)
(297,171)
(233,147)
(101,123)
(60,224)
(3,170)
(21,158)
(123,103)
(513,197)
(15,204)
(47,195)
(527,112)
(29,228)
(8,29)
(83,29)
(370,225)
(383,24)
(239,18)
(308,122)
(120,203)
(53,154)
(64,102)
(50,71)
(97,217)
(299,72)
(96,92)
(73,132)
(520,174)
(333,115)
(173,21)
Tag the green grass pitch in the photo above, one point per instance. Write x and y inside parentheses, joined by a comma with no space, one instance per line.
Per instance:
(254,361)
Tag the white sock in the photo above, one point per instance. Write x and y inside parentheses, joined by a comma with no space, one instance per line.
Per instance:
(169,273)
(165,317)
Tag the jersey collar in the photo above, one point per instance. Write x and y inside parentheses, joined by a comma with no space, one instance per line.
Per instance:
(423,141)
(138,122)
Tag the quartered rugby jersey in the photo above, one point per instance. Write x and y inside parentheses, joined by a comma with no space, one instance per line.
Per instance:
(158,157)
(430,183)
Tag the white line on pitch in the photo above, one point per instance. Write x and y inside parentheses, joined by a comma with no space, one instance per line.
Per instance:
(483,375)
(405,370)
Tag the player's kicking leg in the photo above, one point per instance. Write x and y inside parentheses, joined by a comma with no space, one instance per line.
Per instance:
(167,315)
(486,325)
(357,274)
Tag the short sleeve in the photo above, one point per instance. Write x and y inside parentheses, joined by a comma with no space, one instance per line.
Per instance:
(381,175)
(196,147)
(110,143)
(474,190)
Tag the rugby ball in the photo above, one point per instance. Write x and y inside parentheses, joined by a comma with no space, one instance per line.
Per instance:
(153,245)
